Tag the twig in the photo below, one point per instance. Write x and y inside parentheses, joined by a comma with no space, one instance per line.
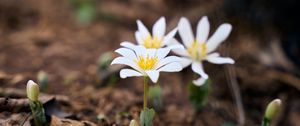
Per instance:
(12,92)
(8,104)
(285,77)
(18,93)
(272,74)
(232,82)
(25,119)
(235,89)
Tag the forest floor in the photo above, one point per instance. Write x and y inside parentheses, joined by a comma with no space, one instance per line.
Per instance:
(44,35)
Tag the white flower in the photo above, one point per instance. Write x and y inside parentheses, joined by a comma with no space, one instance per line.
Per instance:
(158,39)
(201,48)
(146,62)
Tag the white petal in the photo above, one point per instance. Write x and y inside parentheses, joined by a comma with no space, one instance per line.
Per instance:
(150,52)
(128,45)
(153,75)
(167,60)
(139,50)
(220,60)
(185,62)
(174,42)
(181,52)
(185,32)
(162,53)
(200,81)
(128,53)
(124,73)
(138,38)
(213,55)
(125,61)
(142,29)
(198,68)
(159,28)
(218,37)
(178,46)
(171,67)
(203,29)
(168,38)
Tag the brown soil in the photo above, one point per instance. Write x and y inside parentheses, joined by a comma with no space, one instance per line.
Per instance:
(44,35)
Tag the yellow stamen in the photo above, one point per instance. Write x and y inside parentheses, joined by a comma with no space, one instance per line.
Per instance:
(146,63)
(152,42)
(198,50)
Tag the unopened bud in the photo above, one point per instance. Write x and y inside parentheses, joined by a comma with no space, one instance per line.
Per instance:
(32,90)
(43,80)
(104,60)
(273,109)
(133,123)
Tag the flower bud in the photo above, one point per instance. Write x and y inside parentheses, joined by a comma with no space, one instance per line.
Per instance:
(42,78)
(104,60)
(32,90)
(133,123)
(273,109)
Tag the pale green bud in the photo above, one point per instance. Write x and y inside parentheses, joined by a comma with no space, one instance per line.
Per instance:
(273,109)
(32,90)
(43,80)
(104,60)
(133,123)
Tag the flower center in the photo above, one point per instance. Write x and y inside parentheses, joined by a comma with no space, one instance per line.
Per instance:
(146,63)
(198,50)
(152,42)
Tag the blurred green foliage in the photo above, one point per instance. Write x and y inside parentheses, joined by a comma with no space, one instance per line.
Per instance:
(104,61)
(43,80)
(155,96)
(103,65)
(85,10)
(229,124)
(198,95)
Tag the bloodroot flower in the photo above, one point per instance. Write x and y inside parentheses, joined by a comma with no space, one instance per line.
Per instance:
(157,39)
(146,62)
(201,48)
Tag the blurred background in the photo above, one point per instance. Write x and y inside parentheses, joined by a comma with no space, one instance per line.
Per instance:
(64,38)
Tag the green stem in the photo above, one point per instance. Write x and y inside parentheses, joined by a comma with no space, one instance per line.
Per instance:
(36,122)
(265,122)
(38,113)
(146,86)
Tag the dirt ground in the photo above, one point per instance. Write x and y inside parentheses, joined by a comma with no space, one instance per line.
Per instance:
(44,35)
